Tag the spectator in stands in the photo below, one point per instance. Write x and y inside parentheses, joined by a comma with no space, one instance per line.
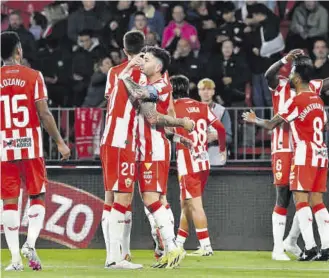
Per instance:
(202,18)
(309,22)
(231,74)
(184,62)
(26,38)
(115,55)
(206,89)
(55,63)
(321,64)
(268,24)
(91,16)
(178,28)
(56,30)
(87,54)
(151,39)
(140,23)
(38,24)
(96,89)
(231,29)
(117,25)
(155,18)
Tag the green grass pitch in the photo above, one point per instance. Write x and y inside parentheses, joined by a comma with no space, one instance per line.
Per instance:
(89,263)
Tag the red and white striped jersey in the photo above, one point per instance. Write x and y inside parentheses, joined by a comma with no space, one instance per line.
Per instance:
(20,136)
(307,119)
(281,136)
(121,118)
(153,144)
(197,159)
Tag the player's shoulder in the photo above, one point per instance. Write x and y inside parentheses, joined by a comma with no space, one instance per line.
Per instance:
(20,70)
(119,68)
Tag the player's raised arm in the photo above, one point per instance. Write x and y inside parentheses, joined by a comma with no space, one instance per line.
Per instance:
(250,117)
(271,74)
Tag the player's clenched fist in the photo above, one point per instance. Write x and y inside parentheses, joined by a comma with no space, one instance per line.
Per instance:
(188,124)
(64,150)
(249,117)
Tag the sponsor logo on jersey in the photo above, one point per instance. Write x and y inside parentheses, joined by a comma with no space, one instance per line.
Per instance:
(147,176)
(19,143)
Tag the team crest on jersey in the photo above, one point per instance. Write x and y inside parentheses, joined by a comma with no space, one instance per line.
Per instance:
(128,182)
(19,143)
(278,175)
(147,165)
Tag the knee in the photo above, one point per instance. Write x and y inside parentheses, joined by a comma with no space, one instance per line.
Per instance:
(316,199)
(283,197)
(149,198)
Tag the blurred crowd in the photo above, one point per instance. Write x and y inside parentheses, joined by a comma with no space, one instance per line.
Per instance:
(223,47)
(74,44)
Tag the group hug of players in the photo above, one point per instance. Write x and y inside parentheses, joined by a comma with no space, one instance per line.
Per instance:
(144,109)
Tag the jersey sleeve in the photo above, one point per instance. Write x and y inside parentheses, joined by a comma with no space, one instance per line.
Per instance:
(163,88)
(211,117)
(316,86)
(109,83)
(40,89)
(290,110)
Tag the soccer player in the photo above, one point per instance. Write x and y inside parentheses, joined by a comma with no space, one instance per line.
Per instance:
(193,164)
(308,177)
(154,147)
(282,152)
(23,103)
(118,146)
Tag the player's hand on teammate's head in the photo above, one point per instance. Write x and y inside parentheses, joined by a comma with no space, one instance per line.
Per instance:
(188,124)
(138,60)
(64,151)
(249,117)
(293,54)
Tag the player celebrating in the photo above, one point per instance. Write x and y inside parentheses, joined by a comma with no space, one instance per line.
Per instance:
(308,177)
(282,151)
(154,147)
(23,102)
(193,165)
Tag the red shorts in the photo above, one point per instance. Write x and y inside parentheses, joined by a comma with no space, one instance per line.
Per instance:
(193,185)
(31,172)
(153,176)
(281,165)
(308,178)
(118,169)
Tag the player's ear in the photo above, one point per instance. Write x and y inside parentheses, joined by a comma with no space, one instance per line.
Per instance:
(158,67)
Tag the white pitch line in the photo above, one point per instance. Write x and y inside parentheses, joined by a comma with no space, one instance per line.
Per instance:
(212,267)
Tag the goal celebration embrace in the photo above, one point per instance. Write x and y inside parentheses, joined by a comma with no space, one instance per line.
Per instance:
(153,144)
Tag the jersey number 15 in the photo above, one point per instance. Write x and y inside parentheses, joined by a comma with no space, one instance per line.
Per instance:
(15,114)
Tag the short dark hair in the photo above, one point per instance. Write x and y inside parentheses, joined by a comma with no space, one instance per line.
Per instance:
(159,53)
(16,12)
(9,42)
(86,32)
(304,67)
(228,7)
(321,40)
(180,85)
(133,41)
(139,13)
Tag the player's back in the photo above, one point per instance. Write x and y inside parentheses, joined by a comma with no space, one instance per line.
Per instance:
(121,121)
(307,130)
(198,112)
(197,159)
(21,136)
